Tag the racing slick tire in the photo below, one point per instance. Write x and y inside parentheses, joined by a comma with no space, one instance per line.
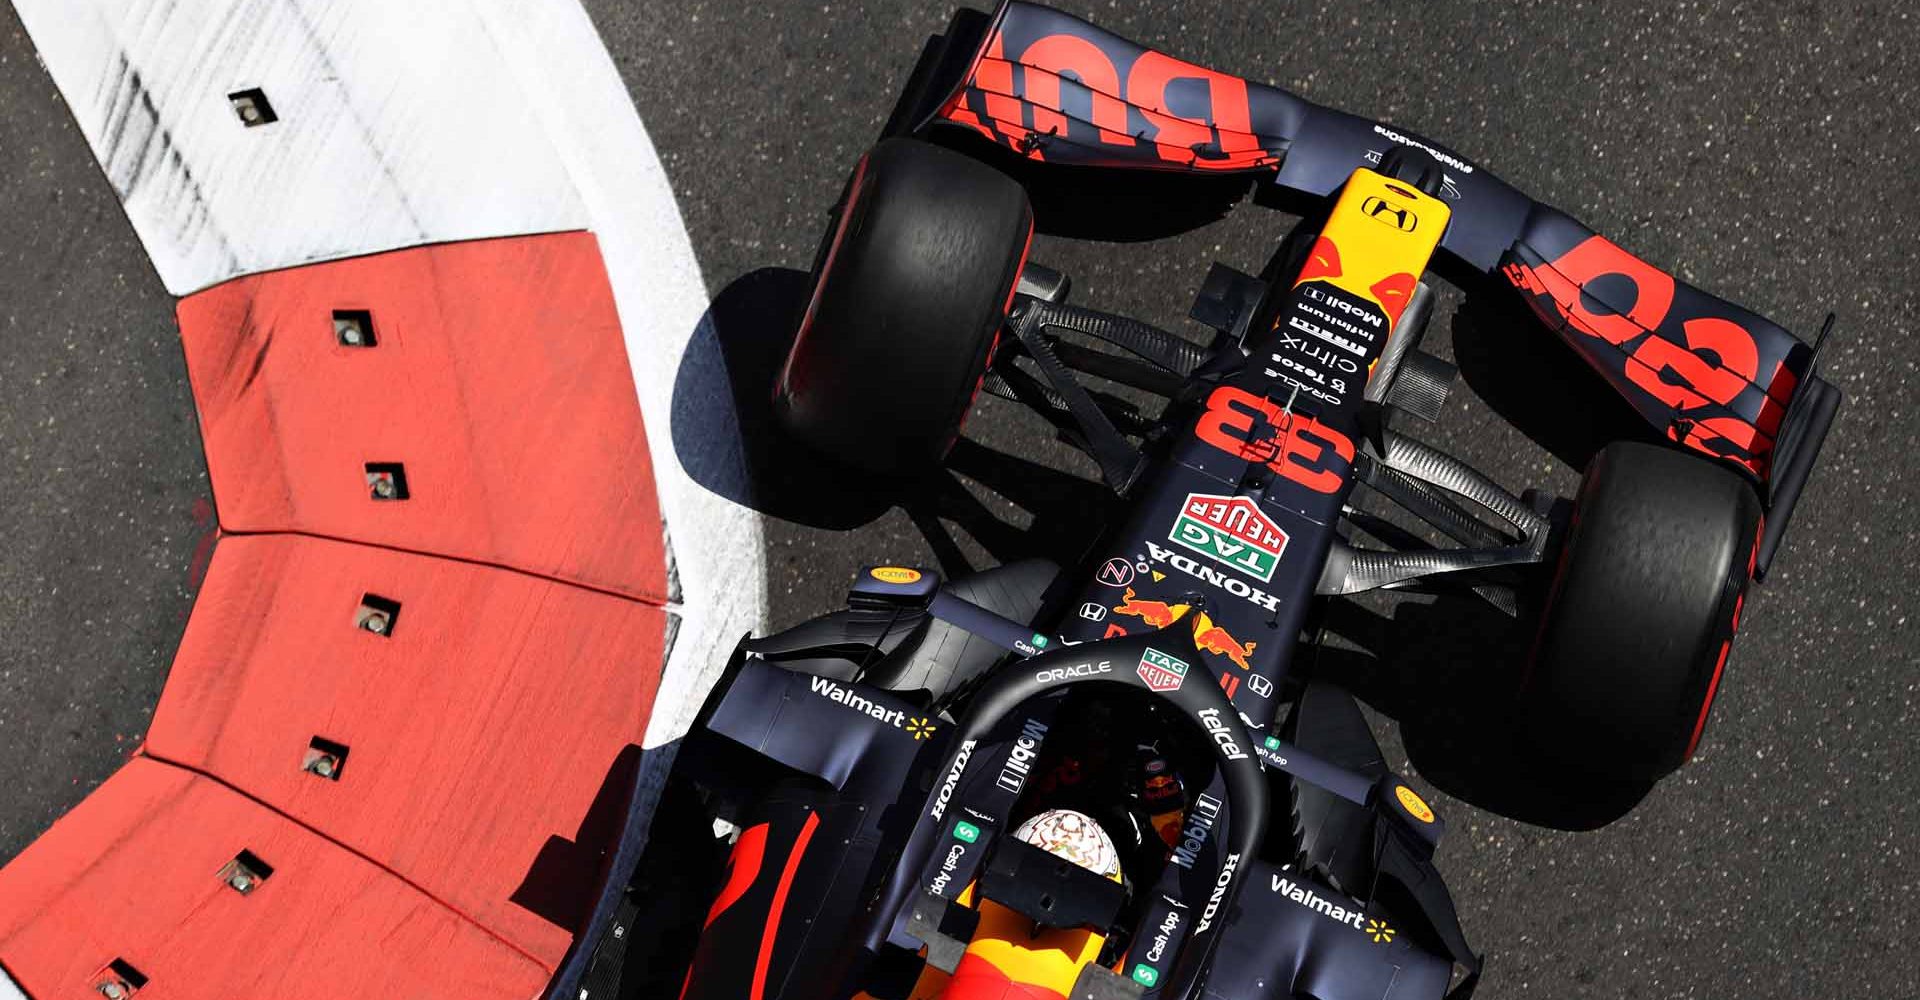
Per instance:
(909,295)
(1641,613)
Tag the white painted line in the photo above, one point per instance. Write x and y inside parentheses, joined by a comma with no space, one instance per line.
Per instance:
(404,123)
(9,990)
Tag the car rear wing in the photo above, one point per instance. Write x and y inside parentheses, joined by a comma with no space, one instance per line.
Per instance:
(1706,373)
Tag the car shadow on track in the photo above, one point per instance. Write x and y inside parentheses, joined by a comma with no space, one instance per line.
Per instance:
(725,437)
(1448,671)
(1535,381)
(1108,205)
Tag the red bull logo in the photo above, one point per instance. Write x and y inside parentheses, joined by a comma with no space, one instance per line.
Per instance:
(1158,614)
(1211,638)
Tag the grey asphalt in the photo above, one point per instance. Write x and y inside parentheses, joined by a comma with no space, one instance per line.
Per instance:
(1761,150)
(103,493)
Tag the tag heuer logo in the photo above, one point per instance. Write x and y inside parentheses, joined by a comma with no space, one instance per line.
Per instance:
(1162,672)
(1231,531)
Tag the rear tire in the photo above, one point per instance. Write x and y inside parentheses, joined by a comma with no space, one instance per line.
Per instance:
(909,297)
(1642,610)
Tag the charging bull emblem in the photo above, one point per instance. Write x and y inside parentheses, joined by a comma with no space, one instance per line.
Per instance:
(1158,614)
(1211,638)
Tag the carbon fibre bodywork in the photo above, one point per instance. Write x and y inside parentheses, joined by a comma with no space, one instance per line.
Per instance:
(848,876)
(1052,87)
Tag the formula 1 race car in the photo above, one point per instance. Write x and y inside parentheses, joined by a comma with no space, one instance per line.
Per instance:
(1117,778)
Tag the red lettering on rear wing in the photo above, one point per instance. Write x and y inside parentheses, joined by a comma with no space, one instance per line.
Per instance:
(1703,371)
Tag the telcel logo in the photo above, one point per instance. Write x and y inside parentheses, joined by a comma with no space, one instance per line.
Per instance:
(1217,728)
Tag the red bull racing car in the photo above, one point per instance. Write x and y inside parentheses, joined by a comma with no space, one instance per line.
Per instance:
(1119,778)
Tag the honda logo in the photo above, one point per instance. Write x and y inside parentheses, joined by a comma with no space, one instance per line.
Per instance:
(1384,211)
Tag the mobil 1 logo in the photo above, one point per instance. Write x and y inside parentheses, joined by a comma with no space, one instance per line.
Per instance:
(1324,342)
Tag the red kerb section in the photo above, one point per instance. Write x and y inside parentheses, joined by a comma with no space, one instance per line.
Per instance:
(470,634)
(498,380)
(132,873)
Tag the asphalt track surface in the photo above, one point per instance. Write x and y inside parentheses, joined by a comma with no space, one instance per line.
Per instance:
(1760,150)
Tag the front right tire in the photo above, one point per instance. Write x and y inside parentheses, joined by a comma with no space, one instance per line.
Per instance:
(1640,618)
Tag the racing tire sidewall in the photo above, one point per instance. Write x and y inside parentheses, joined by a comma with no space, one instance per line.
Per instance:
(909,295)
(1638,623)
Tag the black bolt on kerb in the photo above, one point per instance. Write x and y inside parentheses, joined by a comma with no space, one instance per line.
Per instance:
(252,107)
(354,328)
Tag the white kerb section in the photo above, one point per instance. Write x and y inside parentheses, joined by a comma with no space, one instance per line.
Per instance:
(401,124)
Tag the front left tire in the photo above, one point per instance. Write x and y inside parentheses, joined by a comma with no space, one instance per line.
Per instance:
(909,297)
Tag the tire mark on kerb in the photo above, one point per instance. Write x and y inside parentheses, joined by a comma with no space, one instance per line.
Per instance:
(368,138)
(138,151)
(137,148)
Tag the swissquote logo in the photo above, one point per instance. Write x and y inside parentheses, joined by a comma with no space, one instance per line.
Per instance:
(1231,531)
